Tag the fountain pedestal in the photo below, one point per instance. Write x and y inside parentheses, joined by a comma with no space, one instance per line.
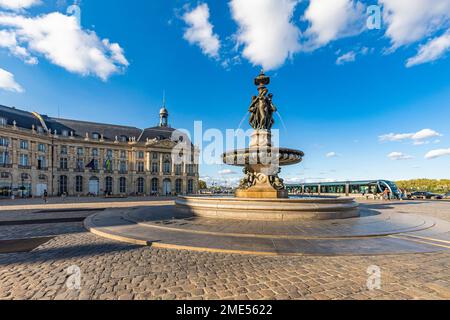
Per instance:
(262,170)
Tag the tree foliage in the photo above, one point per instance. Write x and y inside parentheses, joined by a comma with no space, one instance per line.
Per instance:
(430,185)
(202,185)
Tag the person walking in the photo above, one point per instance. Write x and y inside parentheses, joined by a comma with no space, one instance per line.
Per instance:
(45,196)
(386,194)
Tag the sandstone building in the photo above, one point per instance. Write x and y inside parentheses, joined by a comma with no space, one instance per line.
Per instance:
(79,158)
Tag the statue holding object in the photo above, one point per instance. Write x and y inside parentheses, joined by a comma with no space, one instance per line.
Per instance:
(262,107)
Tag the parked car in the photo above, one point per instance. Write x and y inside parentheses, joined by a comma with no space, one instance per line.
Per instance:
(426,195)
(447,195)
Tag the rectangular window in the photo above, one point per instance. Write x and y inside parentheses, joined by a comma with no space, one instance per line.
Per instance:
(109,153)
(167,167)
(141,155)
(80,164)
(155,167)
(123,154)
(24,144)
(3,122)
(41,147)
(63,164)
(23,160)
(4,142)
(80,151)
(63,149)
(95,152)
(154,155)
(4,158)
(123,166)
(41,162)
(140,166)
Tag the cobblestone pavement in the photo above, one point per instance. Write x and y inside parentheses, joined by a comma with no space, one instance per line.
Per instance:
(112,270)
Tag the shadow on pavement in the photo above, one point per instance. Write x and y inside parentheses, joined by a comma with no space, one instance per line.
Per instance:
(63,253)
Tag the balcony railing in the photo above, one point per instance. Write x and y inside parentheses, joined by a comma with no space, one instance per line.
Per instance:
(6,165)
(24,167)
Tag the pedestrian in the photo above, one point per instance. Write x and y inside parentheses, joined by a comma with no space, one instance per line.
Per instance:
(386,194)
(45,196)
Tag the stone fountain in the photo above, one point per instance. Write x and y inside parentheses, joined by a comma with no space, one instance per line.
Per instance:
(262,160)
(262,194)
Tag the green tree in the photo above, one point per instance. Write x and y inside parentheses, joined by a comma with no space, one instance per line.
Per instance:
(430,185)
(202,185)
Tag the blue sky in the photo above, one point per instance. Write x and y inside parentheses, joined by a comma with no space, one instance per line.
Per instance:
(361,103)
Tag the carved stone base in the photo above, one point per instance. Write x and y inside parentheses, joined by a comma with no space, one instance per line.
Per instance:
(262,191)
(261,138)
(262,194)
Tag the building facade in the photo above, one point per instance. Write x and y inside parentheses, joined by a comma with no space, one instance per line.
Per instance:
(77,158)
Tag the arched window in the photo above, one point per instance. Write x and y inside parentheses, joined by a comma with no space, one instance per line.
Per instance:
(63,185)
(179,186)
(155,185)
(109,185)
(190,187)
(140,185)
(94,186)
(123,185)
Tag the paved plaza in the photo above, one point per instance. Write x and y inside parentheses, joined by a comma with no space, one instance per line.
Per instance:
(115,270)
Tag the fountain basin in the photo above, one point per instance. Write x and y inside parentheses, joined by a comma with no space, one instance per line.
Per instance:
(261,155)
(318,208)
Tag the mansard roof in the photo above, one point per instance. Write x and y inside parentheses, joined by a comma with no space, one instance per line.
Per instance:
(109,132)
(23,119)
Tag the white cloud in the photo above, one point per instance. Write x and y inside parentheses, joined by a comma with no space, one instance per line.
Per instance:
(226,172)
(409,21)
(61,40)
(8,40)
(266,30)
(18,4)
(346,57)
(331,155)
(417,137)
(351,55)
(399,156)
(200,30)
(431,51)
(8,83)
(332,19)
(433,154)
